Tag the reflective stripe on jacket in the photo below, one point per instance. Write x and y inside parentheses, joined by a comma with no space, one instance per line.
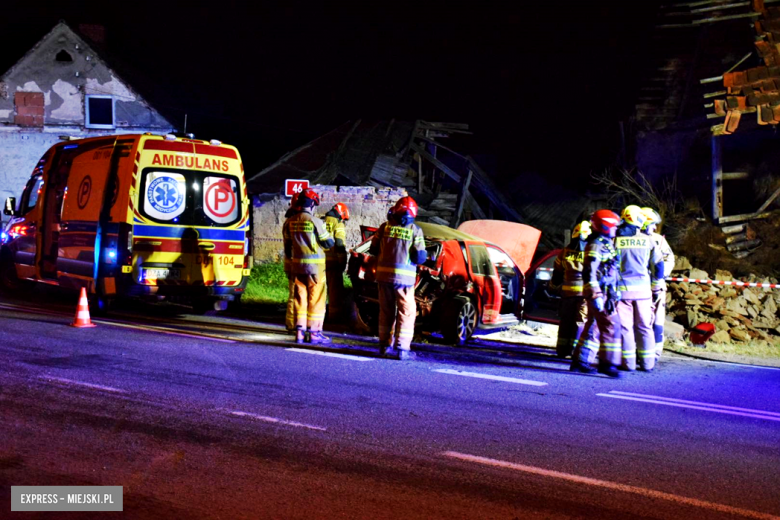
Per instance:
(568,269)
(599,268)
(639,262)
(392,245)
(336,256)
(305,239)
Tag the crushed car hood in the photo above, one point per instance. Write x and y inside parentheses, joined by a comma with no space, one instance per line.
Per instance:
(518,240)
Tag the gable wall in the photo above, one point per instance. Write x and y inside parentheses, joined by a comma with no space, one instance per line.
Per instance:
(64,85)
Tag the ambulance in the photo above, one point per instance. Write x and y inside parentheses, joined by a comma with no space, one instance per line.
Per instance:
(133,216)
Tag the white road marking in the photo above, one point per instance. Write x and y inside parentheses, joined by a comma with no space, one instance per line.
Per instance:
(694,405)
(650,493)
(488,376)
(148,328)
(277,421)
(329,354)
(81,383)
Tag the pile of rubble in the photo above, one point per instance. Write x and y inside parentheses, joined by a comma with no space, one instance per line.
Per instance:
(739,314)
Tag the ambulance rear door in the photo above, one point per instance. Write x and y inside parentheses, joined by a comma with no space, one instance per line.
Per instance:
(72,206)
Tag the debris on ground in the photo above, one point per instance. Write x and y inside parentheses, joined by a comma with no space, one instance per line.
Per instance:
(740,314)
(527,333)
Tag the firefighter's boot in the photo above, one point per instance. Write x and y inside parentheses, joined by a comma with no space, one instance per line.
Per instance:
(318,338)
(582,368)
(610,370)
(300,336)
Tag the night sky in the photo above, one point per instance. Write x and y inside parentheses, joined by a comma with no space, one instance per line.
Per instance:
(543,84)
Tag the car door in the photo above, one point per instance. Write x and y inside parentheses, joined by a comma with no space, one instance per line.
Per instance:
(487,284)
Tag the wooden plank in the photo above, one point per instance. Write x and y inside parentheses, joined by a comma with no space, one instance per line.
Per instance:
(731,176)
(734,229)
(769,201)
(476,209)
(433,160)
(741,246)
(490,191)
(739,237)
(459,126)
(742,218)
(464,188)
(439,145)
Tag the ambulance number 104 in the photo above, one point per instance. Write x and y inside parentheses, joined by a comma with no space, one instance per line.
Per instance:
(219,260)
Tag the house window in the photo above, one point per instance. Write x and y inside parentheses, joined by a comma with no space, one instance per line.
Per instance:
(99,111)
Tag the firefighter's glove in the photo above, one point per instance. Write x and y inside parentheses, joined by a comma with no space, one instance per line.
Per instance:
(599,303)
(610,306)
(658,297)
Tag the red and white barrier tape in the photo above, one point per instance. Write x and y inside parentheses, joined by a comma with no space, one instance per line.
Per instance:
(722,282)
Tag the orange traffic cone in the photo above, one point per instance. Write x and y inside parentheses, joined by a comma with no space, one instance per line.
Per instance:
(82,314)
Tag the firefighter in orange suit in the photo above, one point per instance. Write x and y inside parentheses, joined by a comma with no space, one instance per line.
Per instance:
(399,246)
(305,242)
(289,320)
(567,277)
(336,259)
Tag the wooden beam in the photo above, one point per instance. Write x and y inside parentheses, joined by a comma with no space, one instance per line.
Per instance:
(769,201)
(419,175)
(464,188)
(490,191)
(733,176)
(717,179)
(743,218)
(715,94)
(433,160)
(439,145)
(459,126)
(476,209)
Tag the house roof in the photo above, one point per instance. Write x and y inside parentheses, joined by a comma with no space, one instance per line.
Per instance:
(346,154)
(117,66)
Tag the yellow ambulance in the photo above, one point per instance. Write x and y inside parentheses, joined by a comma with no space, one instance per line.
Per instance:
(133,215)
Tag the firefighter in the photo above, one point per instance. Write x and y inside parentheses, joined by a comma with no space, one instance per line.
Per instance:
(641,271)
(289,320)
(336,259)
(567,278)
(305,239)
(600,273)
(659,296)
(398,245)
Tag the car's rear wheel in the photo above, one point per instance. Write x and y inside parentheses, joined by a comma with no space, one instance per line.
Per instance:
(459,320)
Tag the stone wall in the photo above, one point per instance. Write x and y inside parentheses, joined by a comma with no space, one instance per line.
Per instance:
(367,207)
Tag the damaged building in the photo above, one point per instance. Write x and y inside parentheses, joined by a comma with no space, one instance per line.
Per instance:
(64,87)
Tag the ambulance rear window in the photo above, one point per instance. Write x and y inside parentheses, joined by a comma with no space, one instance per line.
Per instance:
(189,198)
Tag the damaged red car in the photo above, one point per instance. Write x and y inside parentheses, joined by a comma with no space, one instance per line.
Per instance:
(472,281)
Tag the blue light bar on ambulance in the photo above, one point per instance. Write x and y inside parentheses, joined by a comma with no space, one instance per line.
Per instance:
(215,142)
(170,137)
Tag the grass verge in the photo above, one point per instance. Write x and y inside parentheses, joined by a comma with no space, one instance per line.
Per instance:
(268,285)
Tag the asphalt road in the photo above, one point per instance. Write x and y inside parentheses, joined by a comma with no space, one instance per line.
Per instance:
(239,424)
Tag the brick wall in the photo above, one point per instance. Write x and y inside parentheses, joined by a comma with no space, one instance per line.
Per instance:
(367,206)
(29,108)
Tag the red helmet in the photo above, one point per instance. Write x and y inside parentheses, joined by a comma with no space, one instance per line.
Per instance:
(605,222)
(296,200)
(309,194)
(405,205)
(342,210)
